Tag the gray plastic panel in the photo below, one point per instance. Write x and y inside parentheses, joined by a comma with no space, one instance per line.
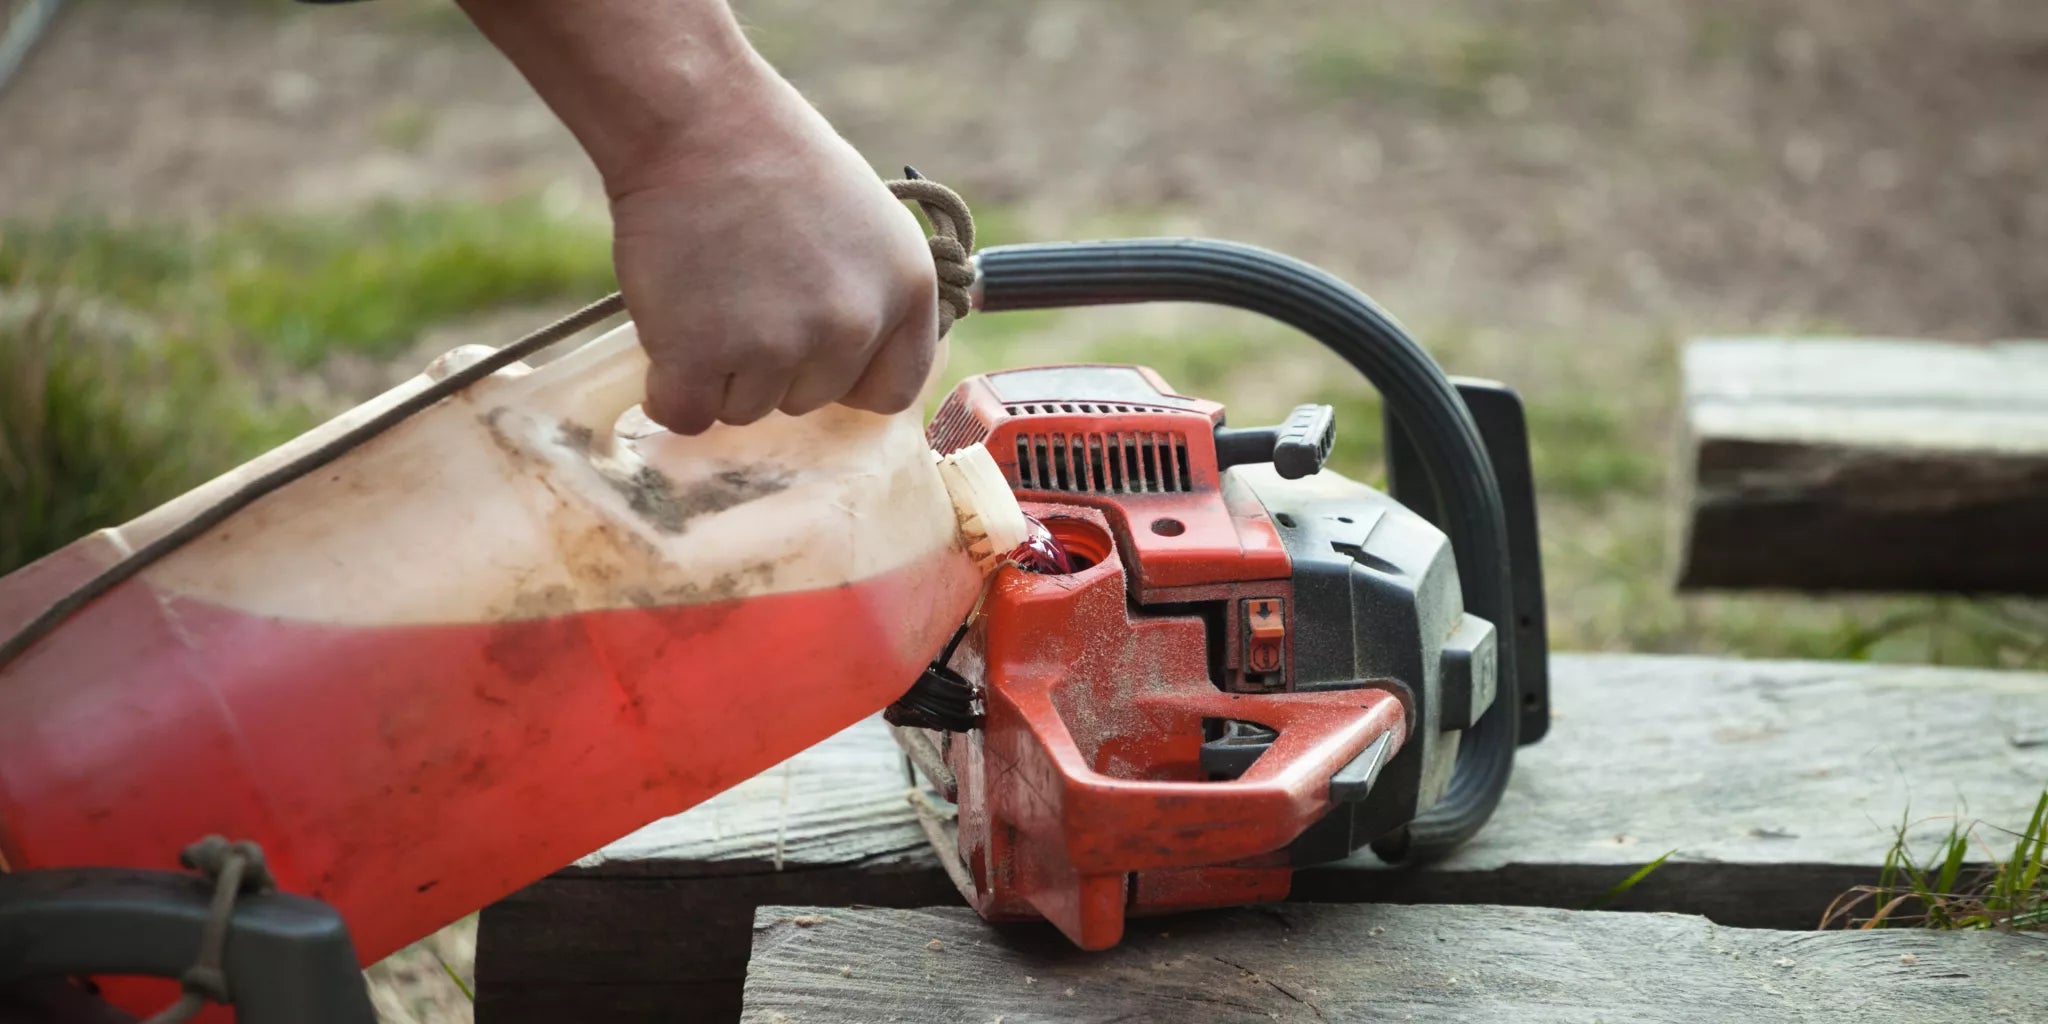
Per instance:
(1377,602)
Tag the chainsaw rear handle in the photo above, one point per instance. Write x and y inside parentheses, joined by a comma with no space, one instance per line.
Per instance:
(1417,393)
(288,960)
(1268,806)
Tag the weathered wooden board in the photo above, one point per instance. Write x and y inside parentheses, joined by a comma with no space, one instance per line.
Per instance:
(1776,783)
(1825,464)
(1356,963)
(654,927)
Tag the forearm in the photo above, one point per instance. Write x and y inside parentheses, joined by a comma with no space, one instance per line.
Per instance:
(766,266)
(644,85)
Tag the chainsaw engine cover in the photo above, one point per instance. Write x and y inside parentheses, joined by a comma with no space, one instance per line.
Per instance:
(1255,663)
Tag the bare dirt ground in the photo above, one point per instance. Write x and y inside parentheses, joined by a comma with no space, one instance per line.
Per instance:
(1733,164)
(1572,186)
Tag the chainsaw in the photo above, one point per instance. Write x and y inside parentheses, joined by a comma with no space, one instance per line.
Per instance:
(1215,662)
(1222,661)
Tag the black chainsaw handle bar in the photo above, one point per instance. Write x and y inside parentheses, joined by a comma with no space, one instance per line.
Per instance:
(1416,392)
(288,958)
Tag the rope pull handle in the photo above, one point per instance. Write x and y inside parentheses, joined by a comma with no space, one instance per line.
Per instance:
(235,869)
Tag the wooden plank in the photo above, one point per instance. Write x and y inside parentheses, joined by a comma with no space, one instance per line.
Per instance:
(654,927)
(1859,464)
(1352,963)
(1776,783)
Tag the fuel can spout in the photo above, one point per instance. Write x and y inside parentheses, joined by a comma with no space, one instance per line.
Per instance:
(1042,552)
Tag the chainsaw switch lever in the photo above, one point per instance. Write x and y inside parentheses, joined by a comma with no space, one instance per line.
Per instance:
(1296,448)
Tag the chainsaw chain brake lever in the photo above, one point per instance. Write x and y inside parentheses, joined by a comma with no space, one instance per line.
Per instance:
(1296,448)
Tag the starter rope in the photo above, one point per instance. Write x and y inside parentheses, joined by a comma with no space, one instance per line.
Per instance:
(951,245)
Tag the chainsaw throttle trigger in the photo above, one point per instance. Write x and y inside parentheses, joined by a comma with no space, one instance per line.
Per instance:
(1235,745)
(1353,781)
(1296,448)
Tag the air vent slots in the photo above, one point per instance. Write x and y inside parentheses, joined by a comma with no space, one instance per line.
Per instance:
(1122,462)
(1076,408)
(955,427)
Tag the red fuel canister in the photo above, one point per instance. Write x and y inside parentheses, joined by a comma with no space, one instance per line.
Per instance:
(511,629)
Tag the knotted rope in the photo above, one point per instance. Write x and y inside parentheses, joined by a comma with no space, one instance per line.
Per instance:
(951,242)
(234,869)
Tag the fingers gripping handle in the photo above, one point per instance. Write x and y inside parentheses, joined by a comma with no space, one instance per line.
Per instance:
(602,380)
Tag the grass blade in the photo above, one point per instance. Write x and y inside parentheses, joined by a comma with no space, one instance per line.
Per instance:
(2005,895)
(1845,904)
(2027,866)
(1630,882)
(463,986)
(1958,848)
(1877,919)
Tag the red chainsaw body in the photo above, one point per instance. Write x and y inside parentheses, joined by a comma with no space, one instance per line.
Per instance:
(1082,797)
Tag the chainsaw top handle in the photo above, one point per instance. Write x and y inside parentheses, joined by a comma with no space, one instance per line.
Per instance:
(1417,395)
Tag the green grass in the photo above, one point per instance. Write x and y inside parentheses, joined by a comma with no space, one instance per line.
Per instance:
(2005,891)
(139,360)
(1586,450)
(1949,889)
(99,422)
(372,284)
(301,288)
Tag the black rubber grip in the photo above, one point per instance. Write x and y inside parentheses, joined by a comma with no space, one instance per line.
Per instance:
(1304,441)
(1416,391)
(289,958)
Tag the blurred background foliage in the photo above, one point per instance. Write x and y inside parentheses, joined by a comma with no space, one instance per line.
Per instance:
(138,361)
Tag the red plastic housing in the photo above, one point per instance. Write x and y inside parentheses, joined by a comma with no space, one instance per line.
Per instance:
(1121,441)
(1082,798)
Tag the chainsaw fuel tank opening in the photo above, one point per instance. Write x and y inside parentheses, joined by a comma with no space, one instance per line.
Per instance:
(1062,545)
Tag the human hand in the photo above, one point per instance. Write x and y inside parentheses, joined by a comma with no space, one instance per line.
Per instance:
(772,270)
(764,263)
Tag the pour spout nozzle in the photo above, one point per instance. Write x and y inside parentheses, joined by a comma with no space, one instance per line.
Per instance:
(989,519)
